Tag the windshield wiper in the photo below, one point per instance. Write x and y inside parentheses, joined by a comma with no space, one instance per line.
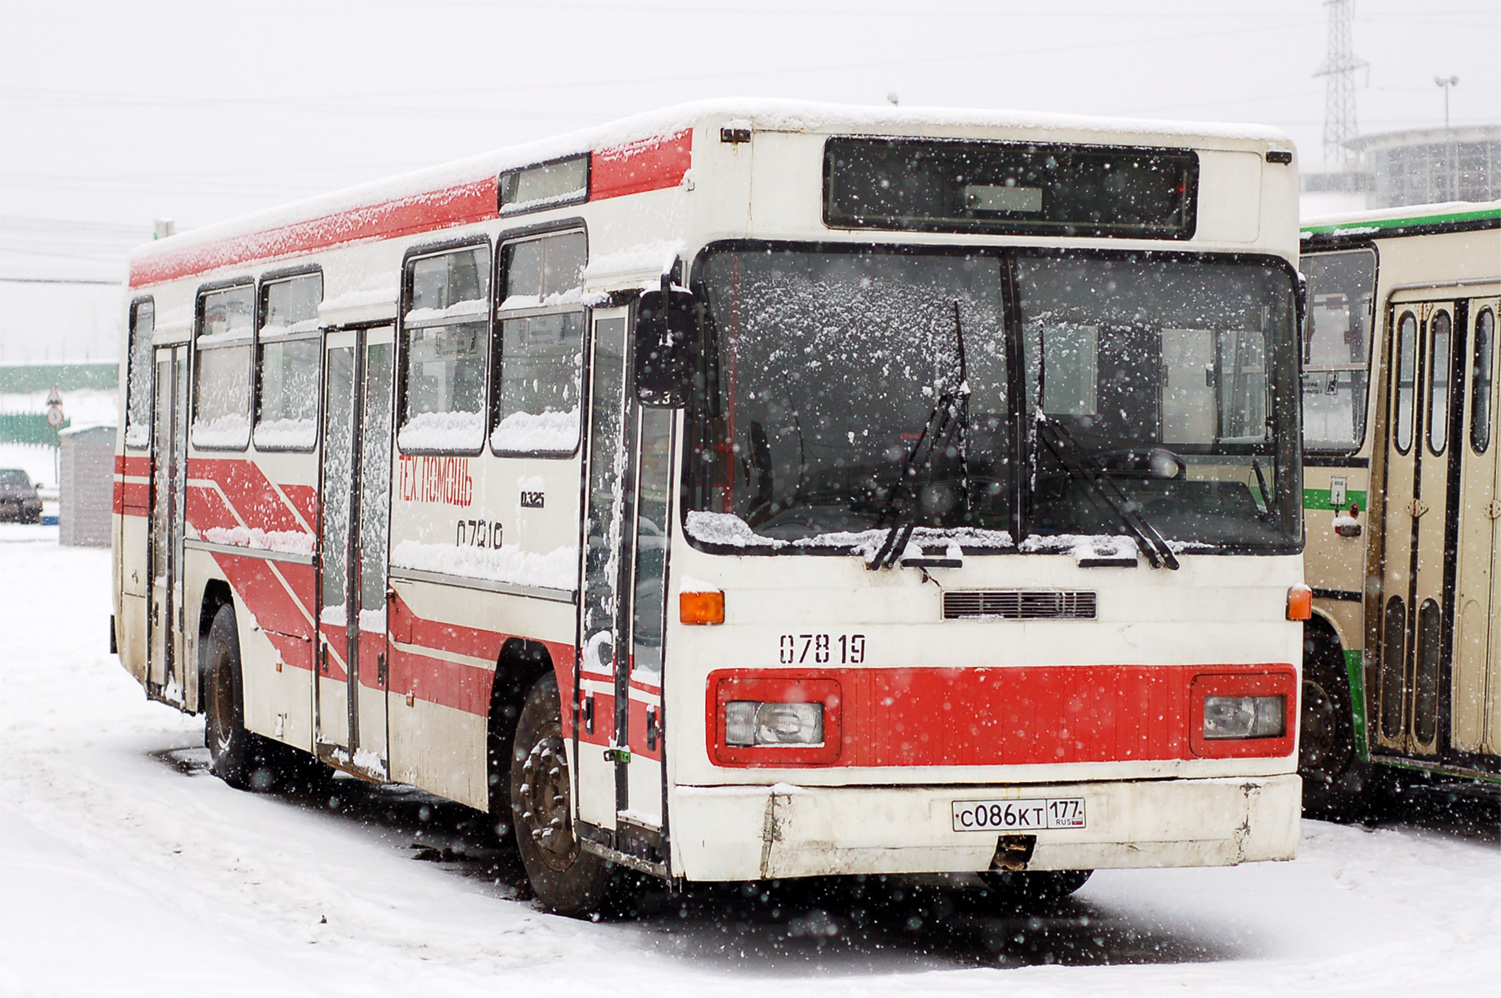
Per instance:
(947,416)
(1068,452)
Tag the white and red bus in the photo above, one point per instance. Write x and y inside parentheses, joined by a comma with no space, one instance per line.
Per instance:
(747,491)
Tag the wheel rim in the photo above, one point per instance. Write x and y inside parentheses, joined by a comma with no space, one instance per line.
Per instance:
(1318,744)
(542,803)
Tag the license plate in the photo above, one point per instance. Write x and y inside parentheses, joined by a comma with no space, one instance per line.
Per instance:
(1037,814)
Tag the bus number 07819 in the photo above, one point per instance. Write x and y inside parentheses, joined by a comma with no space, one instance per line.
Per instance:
(821,649)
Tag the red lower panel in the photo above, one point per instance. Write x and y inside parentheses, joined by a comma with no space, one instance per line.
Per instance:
(1011,716)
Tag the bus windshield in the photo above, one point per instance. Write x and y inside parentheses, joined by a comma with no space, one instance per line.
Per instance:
(825,368)
(1337,348)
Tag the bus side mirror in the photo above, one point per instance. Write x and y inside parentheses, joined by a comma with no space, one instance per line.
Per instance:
(666,347)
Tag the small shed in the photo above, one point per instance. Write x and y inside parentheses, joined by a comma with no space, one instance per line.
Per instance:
(86,486)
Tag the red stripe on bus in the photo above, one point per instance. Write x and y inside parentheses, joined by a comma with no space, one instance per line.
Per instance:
(284,616)
(336,641)
(304,499)
(441,209)
(251,496)
(1030,715)
(648,165)
(138,467)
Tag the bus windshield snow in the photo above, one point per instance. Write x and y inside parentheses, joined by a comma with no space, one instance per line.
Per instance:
(1172,379)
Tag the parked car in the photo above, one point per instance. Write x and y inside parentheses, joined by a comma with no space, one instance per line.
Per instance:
(18,497)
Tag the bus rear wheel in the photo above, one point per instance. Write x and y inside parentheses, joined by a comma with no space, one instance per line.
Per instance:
(241,758)
(230,748)
(565,878)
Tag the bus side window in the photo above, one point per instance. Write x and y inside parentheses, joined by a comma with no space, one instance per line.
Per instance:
(289,356)
(138,374)
(1480,382)
(221,376)
(1407,362)
(444,332)
(1438,384)
(540,351)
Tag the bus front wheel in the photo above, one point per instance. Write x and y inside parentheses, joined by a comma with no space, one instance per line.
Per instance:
(565,878)
(1326,738)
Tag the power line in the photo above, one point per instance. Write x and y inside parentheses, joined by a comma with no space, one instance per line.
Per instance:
(54,280)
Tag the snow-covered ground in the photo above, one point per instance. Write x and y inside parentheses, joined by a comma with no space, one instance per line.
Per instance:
(125,869)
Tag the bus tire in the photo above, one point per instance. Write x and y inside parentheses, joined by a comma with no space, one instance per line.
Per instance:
(1035,885)
(239,757)
(1326,733)
(565,878)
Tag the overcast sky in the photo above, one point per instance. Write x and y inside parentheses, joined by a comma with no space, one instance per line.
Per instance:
(113,114)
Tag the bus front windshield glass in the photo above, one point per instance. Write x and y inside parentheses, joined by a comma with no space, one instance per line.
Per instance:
(851,391)
(1337,348)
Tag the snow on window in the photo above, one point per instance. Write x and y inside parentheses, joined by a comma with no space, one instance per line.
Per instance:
(221,390)
(138,384)
(442,431)
(729,530)
(534,433)
(561,181)
(289,386)
(373,621)
(443,378)
(549,265)
(334,616)
(286,434)
(229,431)
(557,569)
(461,309)
(541,369)
(291,304)
(541,357)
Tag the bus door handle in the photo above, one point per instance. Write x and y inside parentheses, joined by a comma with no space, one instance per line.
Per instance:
(653,728)
(587,710)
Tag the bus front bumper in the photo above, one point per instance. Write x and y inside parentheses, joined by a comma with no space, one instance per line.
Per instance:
(758,833)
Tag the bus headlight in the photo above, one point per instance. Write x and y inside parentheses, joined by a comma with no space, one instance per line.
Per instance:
(1245,717)
(749,722)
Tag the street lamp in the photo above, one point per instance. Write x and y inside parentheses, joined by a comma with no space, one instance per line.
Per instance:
(1448,82)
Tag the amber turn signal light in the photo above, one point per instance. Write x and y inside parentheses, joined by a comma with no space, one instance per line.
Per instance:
(701,608)
(1299,603)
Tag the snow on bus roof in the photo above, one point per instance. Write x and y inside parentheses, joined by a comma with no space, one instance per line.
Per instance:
(1376,219)
(469,184)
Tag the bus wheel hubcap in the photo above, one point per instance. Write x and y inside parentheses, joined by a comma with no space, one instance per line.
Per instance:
(543,803)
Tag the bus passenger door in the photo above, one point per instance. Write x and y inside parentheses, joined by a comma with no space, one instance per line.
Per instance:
(1429,632)
(618,744)
(1477,605)
(169,476)
(1397,527)
(1413,620)
(597,751)
(350,695)
(373,429)
(644,724)
(331,701)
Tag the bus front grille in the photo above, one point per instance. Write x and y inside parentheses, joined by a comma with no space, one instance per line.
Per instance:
(1018,604)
